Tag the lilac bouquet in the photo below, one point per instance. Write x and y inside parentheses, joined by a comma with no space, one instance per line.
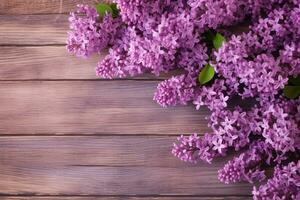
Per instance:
(260,65)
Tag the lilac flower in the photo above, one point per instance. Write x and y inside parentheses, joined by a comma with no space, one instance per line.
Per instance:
(275,123)
(216,13)
(187,148)
(214,97)
(136,12)
(259,77)
(193,148)
(284,185)
(87,35)
(246,167)
(155,36)
(176,90)
(290,58)
(218,145)
(232,126)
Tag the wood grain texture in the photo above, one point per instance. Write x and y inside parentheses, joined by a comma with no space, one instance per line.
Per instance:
(33,29)
(92,107)
(114,151)
(104,166)
(52,63)
(17,7)
(99,180)
(125,198)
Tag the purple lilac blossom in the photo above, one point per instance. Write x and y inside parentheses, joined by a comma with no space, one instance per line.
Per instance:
(215,13)
(87,35)
(232,127)
(284,185)
(215,97)
(278,128)
(247,166)
(155,36)
(290,57)
(174,91)
(193,148)
(166,34)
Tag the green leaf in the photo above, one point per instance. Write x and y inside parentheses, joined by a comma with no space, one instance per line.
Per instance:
(103,8)
(209,36)
(218,40)
(114,9)
(206,74)
(291,92)
(295,81)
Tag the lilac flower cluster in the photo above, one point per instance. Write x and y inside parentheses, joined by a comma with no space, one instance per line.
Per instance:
(87,35)
(247,166)
(283,185)
(177,90)
(155,36)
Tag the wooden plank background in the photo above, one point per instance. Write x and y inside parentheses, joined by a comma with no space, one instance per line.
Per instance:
(65,134)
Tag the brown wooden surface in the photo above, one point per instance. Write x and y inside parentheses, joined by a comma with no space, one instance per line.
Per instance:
(127,198)
(104,165)
(11,7)
(91,107)
(66,135)
(33,29)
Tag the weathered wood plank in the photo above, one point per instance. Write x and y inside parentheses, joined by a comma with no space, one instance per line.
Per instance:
(102,150)
(16,7)
(90,166)
(123,198)
(86,180)
(51,62)
(117,151)
(91,107)
(33,29)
